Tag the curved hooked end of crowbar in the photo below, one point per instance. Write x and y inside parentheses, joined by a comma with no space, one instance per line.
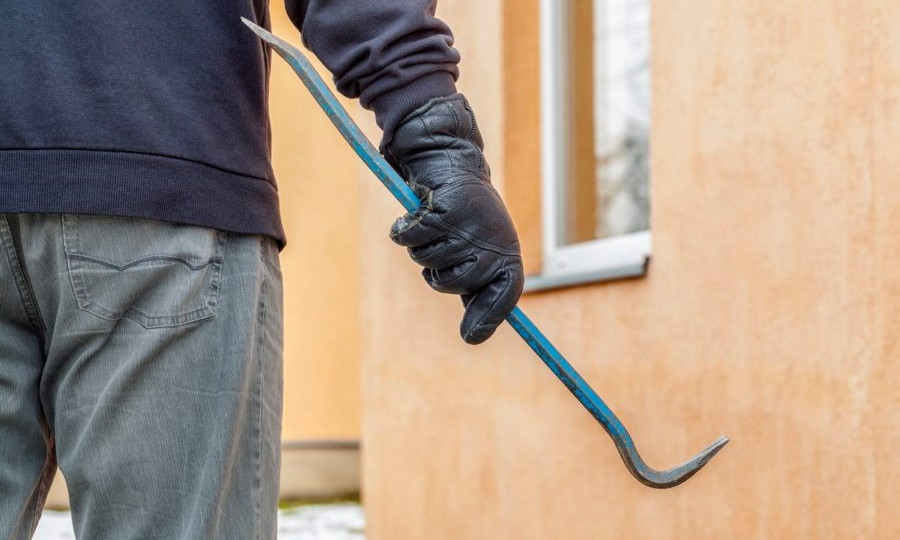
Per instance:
(668,478)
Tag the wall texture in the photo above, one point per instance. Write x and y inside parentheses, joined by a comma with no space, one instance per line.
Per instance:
(771,311)
(319,205)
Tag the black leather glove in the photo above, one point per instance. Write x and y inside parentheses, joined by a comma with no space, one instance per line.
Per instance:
(462,233)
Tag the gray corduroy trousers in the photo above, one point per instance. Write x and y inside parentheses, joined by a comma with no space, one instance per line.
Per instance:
(145,358)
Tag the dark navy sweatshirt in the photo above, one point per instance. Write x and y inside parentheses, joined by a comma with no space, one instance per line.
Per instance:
(158,108)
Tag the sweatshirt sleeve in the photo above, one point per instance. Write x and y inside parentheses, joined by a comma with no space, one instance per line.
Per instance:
(394,55)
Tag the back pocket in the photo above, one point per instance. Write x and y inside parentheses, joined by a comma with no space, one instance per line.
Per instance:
(156,273)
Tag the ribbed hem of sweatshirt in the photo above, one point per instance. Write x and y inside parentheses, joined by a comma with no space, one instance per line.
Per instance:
(62,181)
(392,106)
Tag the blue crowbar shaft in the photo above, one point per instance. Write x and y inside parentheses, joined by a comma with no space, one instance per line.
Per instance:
(517,319)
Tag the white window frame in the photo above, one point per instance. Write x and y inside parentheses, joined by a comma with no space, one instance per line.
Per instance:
(616,257)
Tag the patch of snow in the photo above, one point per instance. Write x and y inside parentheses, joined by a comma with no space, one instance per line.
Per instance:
(322,522)
(54,526)
(314,522)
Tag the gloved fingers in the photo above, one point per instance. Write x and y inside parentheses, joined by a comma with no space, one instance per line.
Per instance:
(466,276)
(416,229)
(441,253)
(489,307)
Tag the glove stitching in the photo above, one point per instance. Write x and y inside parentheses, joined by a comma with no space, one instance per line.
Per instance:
(428,205)
(468,258)
(437,145)
(480,153)
(474,128)
(454,233)
(418,253)
(455,121)
(465,235)
(462,258)
(475,242)
(432,172)
(453,186)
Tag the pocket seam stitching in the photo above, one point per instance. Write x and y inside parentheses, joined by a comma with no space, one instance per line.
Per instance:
(71,246)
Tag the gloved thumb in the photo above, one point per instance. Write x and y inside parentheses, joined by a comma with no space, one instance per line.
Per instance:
(488,308)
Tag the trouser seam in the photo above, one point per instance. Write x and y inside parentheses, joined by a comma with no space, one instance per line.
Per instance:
(23,287)
(261,325)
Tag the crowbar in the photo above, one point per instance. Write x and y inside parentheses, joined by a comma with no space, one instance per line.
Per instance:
(517,319)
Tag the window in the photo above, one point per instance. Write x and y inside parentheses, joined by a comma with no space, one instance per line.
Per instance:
(595,87)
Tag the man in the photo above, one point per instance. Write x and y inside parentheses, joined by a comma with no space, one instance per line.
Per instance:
(140,287)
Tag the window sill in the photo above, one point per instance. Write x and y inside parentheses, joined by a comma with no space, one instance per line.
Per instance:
(621,257)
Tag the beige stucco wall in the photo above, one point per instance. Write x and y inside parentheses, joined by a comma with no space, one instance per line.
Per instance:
(319,206)
(771,311)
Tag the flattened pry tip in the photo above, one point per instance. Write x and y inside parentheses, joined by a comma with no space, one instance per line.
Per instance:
(282,47)
(717,445)
(257,29)
(707,454)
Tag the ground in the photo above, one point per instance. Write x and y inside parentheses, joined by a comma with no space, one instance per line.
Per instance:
(309,522)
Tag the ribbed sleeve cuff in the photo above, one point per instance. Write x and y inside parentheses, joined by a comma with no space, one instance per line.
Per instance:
(392,106)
